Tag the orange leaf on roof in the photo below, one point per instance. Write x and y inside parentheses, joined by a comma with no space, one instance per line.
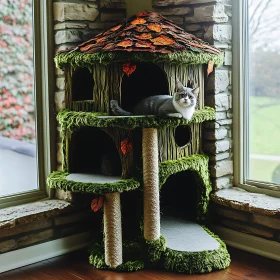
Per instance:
(142,14)
(143,45)
(86,48)
(144,36)
(109,46)
(125,43)
(101,39)
(162,40)
(154,27)
(116,27)
(138,21)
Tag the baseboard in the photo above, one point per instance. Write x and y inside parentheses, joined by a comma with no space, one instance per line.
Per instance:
(43,251)
(249,243)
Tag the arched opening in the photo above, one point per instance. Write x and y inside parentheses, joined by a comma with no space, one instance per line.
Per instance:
(179,196)
(93,151)
(183,135)
(148,79)
(82,85)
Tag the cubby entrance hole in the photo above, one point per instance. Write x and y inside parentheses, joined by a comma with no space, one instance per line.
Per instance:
(82,85)
(183,135)
(93,151)
(179,196)
(148,79)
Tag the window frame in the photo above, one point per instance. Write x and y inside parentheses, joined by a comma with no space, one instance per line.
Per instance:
(43,96)
(240,77)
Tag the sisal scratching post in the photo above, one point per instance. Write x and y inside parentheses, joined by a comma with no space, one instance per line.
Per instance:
(113,229)
(151,184)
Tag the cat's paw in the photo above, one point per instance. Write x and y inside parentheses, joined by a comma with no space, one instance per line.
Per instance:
(175,115)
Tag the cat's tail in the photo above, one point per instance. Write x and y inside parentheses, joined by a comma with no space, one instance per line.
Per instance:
(117,110)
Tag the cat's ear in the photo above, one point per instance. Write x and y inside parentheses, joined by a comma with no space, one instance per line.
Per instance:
(179,85)
(195,91)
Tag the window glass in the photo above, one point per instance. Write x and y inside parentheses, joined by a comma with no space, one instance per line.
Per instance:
(264,91)
(18,161)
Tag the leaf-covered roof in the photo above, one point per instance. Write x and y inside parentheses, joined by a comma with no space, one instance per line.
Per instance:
(144,36)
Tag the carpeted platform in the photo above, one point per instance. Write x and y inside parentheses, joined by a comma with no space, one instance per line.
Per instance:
(186,236)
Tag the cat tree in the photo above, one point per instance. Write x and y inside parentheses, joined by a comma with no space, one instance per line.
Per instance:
(155,208)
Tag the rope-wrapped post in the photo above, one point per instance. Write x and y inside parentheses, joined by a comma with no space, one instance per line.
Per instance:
(151,184)
(113,230)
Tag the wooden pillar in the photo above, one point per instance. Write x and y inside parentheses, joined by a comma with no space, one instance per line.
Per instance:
(151,184)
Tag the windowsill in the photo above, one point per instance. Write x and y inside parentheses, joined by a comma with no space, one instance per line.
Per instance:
(26,213)
(233,198)
(240,199)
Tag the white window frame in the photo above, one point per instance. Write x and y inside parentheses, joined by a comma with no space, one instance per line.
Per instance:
(240,99)
(43,93)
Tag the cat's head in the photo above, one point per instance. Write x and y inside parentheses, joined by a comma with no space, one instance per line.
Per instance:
(186,96)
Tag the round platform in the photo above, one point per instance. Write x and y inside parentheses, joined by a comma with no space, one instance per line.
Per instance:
(192,248)
(92,178)
(90,183)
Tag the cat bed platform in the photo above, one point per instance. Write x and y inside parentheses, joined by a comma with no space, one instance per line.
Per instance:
(73,119)
(184,247)
(192,248)
(90,183)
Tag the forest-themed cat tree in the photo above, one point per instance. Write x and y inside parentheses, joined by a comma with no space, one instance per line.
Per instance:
(150,170)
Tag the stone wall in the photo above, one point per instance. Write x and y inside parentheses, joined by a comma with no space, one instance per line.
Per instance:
(211,21)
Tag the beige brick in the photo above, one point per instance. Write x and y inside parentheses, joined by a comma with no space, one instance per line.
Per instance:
(216,134)
(8,245)
(271,222)
(25,228)
(216,147)
(232,214)
(221,183)
(59,99)
(66,25)
(219,156)
(60,83)
(222,168)
(257,231)
(36,237)
(59,72)
(74,11)
(65,219)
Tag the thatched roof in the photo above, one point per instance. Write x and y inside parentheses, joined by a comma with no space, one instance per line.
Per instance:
(146,36)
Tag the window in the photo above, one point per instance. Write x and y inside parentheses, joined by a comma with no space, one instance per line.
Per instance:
(256,72)
(25,116)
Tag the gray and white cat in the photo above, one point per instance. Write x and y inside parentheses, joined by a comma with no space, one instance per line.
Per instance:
(181,104)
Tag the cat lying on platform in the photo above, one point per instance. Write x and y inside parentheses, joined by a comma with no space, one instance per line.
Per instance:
(181,104)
